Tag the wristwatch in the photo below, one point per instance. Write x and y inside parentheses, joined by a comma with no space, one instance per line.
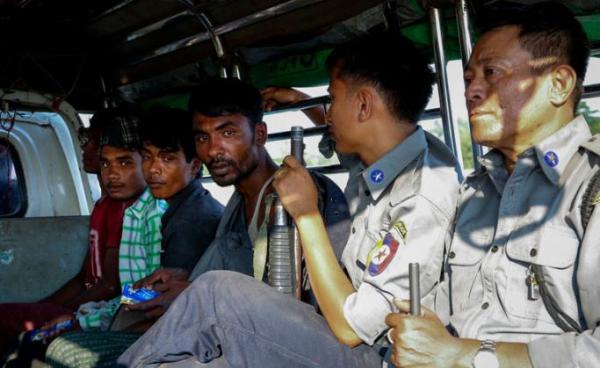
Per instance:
(486,356)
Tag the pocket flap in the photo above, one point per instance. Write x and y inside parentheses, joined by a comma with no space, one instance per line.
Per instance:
(557,247)
(465,254)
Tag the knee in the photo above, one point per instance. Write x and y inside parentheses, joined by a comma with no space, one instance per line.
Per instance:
(217,284)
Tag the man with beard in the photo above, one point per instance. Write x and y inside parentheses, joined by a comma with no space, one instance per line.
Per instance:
(230,139)
(400,211)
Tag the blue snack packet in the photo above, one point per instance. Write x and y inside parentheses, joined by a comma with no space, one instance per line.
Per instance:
(134,296)
(41,334)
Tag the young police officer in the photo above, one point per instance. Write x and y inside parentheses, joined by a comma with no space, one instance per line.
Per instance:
(400,215)
(522,264)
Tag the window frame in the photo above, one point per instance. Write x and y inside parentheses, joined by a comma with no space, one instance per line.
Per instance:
(23,203)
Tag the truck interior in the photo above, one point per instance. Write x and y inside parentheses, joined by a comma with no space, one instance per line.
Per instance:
(65,59)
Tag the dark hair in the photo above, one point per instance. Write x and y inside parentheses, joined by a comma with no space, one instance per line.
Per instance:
(119,127)
(218,97)
(393,65)
(169,129)
(547,29)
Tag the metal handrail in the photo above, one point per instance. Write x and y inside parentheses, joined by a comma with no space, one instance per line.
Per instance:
(439,53)
(234,25)
(466,47)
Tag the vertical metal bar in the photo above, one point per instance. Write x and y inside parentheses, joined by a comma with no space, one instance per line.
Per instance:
(415,289)
(435,19)
(236,72)
(297,150)
(466,46)
(104,92)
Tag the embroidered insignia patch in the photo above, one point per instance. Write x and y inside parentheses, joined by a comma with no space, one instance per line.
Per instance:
(382,254)
(401,228)
(377,176)
(551,158)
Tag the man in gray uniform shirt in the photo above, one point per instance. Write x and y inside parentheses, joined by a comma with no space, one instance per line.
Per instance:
(521,276)
(405,193)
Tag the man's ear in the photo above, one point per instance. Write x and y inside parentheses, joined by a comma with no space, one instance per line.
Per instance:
(196,166)
(365,99)
(260,133)
(564,82)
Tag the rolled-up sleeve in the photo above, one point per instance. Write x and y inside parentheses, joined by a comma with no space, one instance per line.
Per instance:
(417,234)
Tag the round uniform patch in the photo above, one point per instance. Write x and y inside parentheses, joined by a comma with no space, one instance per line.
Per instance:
(377,176)
(551,158)
(382,254)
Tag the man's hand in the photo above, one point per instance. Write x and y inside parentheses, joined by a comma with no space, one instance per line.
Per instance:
(156,307)
(296,189)
(280,96)
(422,341)
(162,275)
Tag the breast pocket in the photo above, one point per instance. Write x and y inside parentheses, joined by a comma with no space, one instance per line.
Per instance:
(464,258)
(555,248)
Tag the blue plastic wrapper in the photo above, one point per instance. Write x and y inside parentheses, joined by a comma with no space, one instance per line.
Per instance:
(40,334)
(134,296)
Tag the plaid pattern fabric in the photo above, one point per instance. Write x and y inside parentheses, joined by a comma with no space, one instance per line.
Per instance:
(139,256)
(139,253)
(121,131)
(97,315)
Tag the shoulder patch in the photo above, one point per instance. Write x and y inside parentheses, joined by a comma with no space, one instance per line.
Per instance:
(383,252)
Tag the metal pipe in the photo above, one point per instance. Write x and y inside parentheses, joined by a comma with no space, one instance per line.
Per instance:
(236,71)
(105,102)
(302,105)
(280,257)
(466,47)
(214,38)
(248,20)
(437,34)
(297,150)
(415,289)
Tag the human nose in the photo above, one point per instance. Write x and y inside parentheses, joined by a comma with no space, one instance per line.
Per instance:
(113,173)
(154,167)
(475,91)
(215,148)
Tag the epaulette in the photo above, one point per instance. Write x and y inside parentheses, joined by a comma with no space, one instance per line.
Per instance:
(593,144)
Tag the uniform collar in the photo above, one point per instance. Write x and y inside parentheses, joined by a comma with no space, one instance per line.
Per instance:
(380,174)
(555,152)
(552,154)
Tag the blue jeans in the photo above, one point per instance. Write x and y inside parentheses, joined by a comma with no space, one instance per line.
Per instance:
(246,322)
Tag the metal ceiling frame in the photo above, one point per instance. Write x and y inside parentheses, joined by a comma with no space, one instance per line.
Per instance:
(217,31)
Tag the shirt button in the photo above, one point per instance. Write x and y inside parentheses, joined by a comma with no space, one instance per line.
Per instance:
(533,252)
(451,255)
(494,249)
(353,230)
(485,305)
(367,193)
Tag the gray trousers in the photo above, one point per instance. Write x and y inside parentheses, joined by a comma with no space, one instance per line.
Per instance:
(246,322)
